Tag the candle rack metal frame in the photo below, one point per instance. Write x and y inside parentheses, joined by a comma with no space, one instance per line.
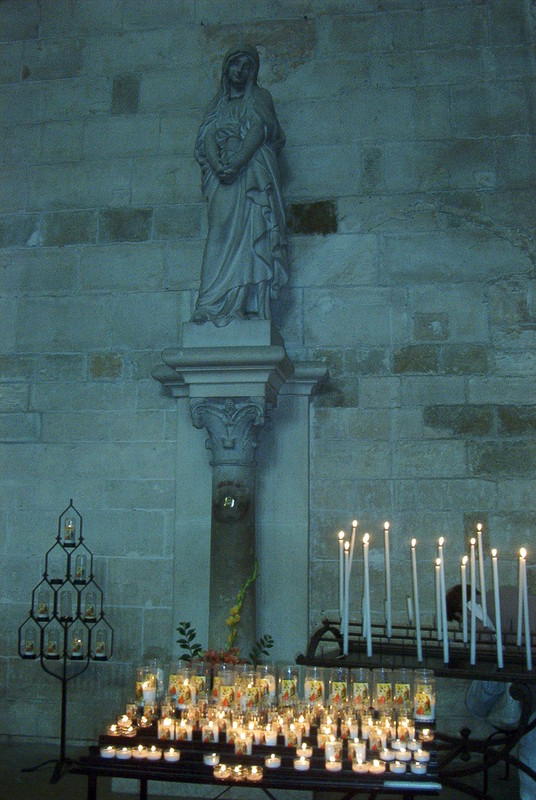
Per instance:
(66,629)
(460,757)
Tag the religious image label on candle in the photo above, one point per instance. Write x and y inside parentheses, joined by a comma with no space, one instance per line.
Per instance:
(424,697)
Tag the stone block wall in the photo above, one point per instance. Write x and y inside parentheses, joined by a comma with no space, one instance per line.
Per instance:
(409,171)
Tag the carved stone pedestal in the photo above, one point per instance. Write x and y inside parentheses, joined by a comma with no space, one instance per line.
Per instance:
(228,381)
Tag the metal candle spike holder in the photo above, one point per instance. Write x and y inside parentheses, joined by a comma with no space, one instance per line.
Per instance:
(65,628)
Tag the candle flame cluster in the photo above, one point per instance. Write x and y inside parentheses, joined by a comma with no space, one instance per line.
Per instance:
(477,584)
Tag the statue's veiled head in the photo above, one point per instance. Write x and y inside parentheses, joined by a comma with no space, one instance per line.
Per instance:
(242,52)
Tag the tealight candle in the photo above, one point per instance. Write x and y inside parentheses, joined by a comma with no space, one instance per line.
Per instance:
(417,768)
(108,752)
(426,735)
(221,772)
(124,753)
(211,759)
(387,755)
(304,750)
(154,754)
(139,752)
(172,754)
(113,730)
(413,744)
(360,766)
(376,768)
(333,765)
(301,764)
(254,774)
(272,762)
(403,754)
(398,767)
(422,755)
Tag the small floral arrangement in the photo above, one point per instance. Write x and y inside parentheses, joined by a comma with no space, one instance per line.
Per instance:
(193,650)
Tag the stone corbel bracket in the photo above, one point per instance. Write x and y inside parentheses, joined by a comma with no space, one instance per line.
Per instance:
(245,371)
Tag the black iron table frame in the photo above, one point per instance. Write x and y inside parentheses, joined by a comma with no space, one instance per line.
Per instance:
(191,769)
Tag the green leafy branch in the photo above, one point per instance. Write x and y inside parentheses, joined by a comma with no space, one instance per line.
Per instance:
(192,649)
(262,648)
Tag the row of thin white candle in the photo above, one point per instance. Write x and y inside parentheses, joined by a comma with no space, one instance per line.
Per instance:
(346,554)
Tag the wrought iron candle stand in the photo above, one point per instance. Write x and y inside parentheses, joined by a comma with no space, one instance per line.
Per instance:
(459,757)
(65,628)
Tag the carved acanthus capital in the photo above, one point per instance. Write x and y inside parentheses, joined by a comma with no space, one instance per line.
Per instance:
(233,426)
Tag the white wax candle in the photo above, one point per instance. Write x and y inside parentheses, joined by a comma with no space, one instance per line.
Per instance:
(520,599)
(172,755)
(439,614)
(422,755)
(139,752)
(346,596)
(124,753)
(398,768)
(387,578)
(526,614)
(270,737)
(376,768)
(357,750)
(387,754)
(416,598)
(403,754)
(272,761)
(302,764)
(496,595)
(352,542)
(333,765)
(154,754)
(360,766)
(418,768)
(108,752)
(211,759)
(444,623)
(482,575)
(304,750)
(366,579)
(463,570)
(341,574)
(473,604)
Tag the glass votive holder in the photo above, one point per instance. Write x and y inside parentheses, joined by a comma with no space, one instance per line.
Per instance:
(360,688)
(304,750)
(314,686)
(382,680)
(243,744)
(357,750)
(333,749)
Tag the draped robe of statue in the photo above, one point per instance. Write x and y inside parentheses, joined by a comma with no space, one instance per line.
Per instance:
(245,256)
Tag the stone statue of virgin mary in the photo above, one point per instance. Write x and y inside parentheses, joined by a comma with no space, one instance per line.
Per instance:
(237,147)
